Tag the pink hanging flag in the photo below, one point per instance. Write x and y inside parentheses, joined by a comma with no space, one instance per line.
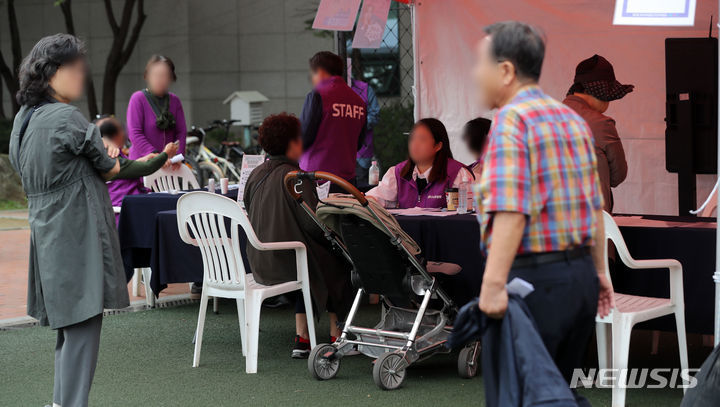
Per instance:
(371,25)
(336,15)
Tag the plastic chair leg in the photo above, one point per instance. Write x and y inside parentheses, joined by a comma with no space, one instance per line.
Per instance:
(136,283)
(243,326)
(200,328)
(252,315)
(604,344)
(215,305)
(621,351)
(149,296)
(682,340)
(307,299)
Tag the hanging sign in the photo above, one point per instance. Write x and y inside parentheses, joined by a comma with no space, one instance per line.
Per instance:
(336,15)
(371,25)
(655,12)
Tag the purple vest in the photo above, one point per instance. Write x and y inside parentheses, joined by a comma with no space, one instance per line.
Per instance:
(336,144)
(367,150)
(433,196)
(120,188)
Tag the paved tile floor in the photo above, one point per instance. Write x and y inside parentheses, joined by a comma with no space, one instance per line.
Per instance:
(14,249)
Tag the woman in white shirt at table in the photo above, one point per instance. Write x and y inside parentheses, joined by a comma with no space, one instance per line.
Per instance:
(421,180)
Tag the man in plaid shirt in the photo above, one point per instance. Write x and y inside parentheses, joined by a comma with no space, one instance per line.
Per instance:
(540,199)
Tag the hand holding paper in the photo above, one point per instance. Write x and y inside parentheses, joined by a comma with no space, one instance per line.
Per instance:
(177,159)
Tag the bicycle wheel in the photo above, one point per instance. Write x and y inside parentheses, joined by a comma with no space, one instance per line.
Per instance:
(207,170)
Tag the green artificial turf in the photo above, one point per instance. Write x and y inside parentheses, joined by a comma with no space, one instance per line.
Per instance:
(146,358)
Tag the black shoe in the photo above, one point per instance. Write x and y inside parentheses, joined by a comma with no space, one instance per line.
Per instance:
(301,350)
(276,302)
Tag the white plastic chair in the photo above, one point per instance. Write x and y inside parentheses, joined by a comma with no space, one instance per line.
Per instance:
(613,331)
(202,222)
(165,179)
(146,274)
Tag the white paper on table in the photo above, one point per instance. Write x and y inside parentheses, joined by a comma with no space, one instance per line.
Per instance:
(336,15)
(249,163)
(323,190)
(177,159)
(371,24)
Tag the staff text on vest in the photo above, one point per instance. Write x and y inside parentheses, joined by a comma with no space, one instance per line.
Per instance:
(346,110)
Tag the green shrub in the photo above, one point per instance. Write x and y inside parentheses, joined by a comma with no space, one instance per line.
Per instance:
(390,134)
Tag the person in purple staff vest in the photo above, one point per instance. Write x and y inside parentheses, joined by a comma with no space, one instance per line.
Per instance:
(365,155)
(421,180)
(333,120)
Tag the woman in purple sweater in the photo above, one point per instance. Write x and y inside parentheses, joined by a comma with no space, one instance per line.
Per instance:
(155,116)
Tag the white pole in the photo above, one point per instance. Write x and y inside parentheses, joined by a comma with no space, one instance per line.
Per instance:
(416,70)
(716,276)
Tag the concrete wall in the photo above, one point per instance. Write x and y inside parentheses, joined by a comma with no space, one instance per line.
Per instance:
(218,46)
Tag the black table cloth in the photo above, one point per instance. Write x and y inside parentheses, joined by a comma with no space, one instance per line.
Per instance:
(155,242)
(137,226)
(694,248)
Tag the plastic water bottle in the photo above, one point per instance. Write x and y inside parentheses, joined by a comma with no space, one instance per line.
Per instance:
(374,174)
(463,195)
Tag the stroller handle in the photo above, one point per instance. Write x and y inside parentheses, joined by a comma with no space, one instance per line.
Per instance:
(291,176)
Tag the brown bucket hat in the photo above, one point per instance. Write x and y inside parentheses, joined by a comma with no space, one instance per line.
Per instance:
(596,77)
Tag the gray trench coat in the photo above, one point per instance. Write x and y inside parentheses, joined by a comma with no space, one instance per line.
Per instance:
(75,268)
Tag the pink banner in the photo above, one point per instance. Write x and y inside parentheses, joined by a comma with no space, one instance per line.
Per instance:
(371,25)
(336,15)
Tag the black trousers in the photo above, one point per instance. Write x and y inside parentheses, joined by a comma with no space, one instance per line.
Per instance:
(563,305)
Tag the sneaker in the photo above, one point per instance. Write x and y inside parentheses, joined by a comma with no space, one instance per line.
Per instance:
(301,350)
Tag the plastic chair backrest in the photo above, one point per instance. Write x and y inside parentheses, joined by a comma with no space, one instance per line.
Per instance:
(203,220)
(164,180)
(612,233)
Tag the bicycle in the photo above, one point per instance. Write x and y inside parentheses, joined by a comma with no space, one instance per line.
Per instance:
(207,163)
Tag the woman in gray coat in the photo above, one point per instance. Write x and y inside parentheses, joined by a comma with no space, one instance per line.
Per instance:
(75,268)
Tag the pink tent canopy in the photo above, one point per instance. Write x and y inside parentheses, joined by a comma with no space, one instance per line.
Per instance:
(446,33)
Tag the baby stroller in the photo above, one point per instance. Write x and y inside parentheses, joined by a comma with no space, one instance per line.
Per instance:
(386,262)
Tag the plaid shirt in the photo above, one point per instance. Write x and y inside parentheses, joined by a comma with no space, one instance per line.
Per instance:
(540,161)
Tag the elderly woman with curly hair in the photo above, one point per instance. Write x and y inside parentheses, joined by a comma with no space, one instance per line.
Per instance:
(277,217)
(75,268)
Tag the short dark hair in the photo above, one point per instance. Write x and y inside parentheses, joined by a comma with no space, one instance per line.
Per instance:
(277,131)
(160,58)
(475,134)
(108,128)
(521,44)
(440,163)
(41,64)
(327,61)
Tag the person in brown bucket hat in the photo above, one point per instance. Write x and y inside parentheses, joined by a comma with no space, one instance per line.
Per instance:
(590,95)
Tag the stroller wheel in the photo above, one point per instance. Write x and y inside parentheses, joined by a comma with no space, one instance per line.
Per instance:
(468,364)
(388,372)
(322,363)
